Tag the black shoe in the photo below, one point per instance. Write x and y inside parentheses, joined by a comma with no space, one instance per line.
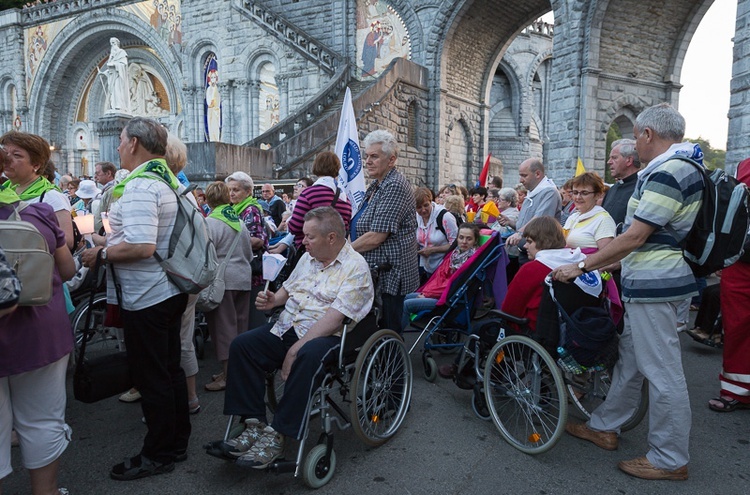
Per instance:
(139,467)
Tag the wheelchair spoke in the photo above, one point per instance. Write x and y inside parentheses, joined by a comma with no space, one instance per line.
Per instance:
(523,394)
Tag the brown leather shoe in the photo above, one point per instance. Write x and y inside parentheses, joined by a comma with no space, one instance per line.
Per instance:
(448,371)
(606,440)
(641,467)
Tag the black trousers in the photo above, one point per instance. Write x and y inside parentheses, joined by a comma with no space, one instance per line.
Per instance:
(152,337)
(253,354)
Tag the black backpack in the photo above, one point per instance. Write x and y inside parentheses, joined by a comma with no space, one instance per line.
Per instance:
(439,221)
(717,237)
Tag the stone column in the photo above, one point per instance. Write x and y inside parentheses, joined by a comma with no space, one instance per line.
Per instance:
(108,128)
(738,142)
(244,114)
(254,109)
(573,108)
(283,84)
(227,112)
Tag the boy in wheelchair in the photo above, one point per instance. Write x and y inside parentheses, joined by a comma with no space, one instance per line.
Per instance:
(331,282)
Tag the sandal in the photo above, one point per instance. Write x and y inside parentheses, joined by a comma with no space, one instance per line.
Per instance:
(727,405)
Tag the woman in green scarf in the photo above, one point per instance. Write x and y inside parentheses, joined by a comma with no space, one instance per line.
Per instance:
(29,155)
(251,215)
(231,317)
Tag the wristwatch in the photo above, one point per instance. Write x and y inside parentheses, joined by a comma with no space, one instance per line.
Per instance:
(582,266)
(104,254)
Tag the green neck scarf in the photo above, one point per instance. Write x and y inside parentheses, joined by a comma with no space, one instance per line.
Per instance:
(226,214)
(7,195)
(36,188)
(154,169)
(249,201)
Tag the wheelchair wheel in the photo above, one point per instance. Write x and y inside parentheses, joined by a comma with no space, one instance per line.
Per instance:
(430,368)
(525,394)
(274,389)
(316,472)
(101,339)
(381,387)
(588,390)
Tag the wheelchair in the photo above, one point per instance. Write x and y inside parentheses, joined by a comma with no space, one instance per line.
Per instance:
(519,385)
(371,380)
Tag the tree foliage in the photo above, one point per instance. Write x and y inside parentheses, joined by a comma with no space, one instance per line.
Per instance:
(712,158)
(9,4)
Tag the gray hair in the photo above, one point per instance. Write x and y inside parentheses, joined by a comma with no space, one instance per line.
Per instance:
(664,120)
(330,220)
(627,149)
(245,180)
(385,139)
(176,154)
(150,134)
(508,194)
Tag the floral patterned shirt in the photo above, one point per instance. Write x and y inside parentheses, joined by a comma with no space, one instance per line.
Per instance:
(344,285)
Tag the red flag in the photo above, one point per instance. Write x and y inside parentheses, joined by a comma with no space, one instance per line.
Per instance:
(485,172)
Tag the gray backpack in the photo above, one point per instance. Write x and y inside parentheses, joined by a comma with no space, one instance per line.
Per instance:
(191,261)
(28,255)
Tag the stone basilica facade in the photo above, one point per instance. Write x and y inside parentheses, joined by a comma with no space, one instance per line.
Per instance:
(256,84)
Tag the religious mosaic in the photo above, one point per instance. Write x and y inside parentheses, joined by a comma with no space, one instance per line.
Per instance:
(165,16)
(212,101)
(37,41)
(381,37)
(269,113)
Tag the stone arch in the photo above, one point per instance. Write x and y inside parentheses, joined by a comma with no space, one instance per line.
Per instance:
(626,105)
(683,38)
(460,149)
(512,72)
(198,55)
(75,51)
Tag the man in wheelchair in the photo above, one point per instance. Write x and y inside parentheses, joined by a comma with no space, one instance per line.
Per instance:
(330,283)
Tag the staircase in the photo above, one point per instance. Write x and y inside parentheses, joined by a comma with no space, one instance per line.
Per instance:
(296,150)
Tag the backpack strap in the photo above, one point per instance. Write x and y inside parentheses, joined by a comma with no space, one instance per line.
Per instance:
(439,222)
(335,197)
(706,183)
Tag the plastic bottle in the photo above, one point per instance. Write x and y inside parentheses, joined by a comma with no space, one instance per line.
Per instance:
(567,362)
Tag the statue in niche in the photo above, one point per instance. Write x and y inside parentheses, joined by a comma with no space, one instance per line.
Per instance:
(143,97)
(118,81)
(213,106)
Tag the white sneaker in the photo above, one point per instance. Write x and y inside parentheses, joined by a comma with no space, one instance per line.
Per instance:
(131,395)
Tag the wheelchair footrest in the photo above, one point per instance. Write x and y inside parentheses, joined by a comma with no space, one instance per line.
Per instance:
(283,466)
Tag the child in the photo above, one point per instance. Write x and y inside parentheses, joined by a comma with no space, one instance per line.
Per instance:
(468,238)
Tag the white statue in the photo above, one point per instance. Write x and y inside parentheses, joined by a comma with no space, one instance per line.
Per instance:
(143,98)
(118,84)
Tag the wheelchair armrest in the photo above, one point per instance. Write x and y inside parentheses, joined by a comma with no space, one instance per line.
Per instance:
(509,318)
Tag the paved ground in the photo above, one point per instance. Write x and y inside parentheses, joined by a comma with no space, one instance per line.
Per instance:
(442,449)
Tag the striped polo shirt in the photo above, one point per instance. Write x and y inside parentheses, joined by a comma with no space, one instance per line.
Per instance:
(656,271)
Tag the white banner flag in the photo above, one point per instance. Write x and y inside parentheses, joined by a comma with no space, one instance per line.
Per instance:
(351,175)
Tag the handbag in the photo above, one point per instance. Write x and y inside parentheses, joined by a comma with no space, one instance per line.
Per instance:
(103,376)
(210,297)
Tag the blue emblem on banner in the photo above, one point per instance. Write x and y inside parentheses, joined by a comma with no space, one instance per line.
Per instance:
(352,159)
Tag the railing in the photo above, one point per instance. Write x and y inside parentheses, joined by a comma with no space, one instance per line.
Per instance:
(541,27)
(305,115)
(285,31)
(50,11)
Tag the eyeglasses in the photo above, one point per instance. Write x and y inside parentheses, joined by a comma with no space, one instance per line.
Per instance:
(581,193)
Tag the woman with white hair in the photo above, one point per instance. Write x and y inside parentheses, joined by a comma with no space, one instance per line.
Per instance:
(251,215)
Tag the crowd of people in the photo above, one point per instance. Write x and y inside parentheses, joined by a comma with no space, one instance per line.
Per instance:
(421,235)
